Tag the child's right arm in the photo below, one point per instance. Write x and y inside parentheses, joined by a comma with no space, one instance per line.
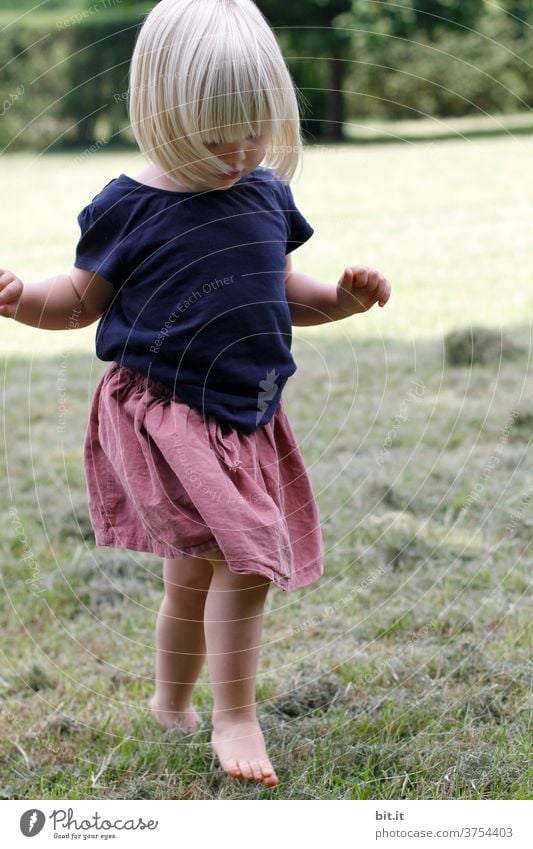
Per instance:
(49,304)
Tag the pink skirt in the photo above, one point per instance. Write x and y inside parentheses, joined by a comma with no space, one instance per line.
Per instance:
(166,479)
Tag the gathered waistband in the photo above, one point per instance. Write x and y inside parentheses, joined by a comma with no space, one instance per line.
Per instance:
(143,380)
(225,445)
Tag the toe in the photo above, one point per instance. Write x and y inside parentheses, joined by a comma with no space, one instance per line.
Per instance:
(269,776)
(246,770)
(257,772)
(232,767)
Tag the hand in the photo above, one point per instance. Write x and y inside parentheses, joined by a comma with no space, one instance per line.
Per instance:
(359,288)
(10,292)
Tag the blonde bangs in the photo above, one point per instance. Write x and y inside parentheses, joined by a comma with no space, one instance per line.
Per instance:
(211,72)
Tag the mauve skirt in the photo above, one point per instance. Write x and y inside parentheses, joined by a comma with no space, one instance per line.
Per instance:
(164,478)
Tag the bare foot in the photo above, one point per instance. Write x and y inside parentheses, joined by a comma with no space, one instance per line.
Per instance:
(240,747)
(188,719)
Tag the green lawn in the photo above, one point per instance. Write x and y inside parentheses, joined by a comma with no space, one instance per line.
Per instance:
(406,671)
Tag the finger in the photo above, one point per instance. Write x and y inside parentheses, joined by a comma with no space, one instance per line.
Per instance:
(385,295)
(10,291)
(361,276)
(8,310)
(374,279)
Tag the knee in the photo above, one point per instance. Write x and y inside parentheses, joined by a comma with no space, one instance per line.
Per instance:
(185,596)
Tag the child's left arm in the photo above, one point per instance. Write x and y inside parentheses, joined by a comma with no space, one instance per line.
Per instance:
(312,302)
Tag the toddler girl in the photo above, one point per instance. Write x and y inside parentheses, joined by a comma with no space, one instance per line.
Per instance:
(188,452)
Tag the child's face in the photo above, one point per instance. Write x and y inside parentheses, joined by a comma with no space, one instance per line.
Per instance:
(241,156)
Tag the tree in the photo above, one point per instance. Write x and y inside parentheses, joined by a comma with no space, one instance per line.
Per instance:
(412,17)
(313,30)
(336,30)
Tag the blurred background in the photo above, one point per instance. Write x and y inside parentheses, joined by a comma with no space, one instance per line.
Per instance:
(415,420)
(416,117)
(352,59)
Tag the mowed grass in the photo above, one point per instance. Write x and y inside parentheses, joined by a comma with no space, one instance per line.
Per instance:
(405,672)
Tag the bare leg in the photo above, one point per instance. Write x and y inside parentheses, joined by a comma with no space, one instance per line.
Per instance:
(233,625)
(180,640)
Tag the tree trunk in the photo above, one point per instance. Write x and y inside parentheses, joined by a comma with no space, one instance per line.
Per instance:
(335,101)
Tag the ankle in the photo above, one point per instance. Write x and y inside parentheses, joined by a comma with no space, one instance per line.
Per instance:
(173,701)
(231,716)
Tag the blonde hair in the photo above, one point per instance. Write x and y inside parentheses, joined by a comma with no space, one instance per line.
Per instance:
(211,71)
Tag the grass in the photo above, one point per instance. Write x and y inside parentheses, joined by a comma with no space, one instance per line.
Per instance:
(375,130)
(405,673)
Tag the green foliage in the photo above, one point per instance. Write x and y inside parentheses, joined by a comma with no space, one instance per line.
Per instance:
(318,12)
(28,87)
(431,16)
(66,75)
(39,6)
(519,13)
(99,90)
(315,48)
(483,70)
(65,66)
(433,57)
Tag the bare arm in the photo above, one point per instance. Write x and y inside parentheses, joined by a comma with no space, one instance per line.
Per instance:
(311,302)
(63,302)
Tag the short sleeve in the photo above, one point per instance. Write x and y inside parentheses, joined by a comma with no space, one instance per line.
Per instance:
(299,230)
(99,247)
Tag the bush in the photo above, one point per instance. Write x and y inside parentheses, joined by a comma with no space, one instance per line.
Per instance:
(65,74)
(459,73)
(65,78)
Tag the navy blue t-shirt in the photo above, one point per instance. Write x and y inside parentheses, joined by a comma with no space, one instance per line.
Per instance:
(200,301)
